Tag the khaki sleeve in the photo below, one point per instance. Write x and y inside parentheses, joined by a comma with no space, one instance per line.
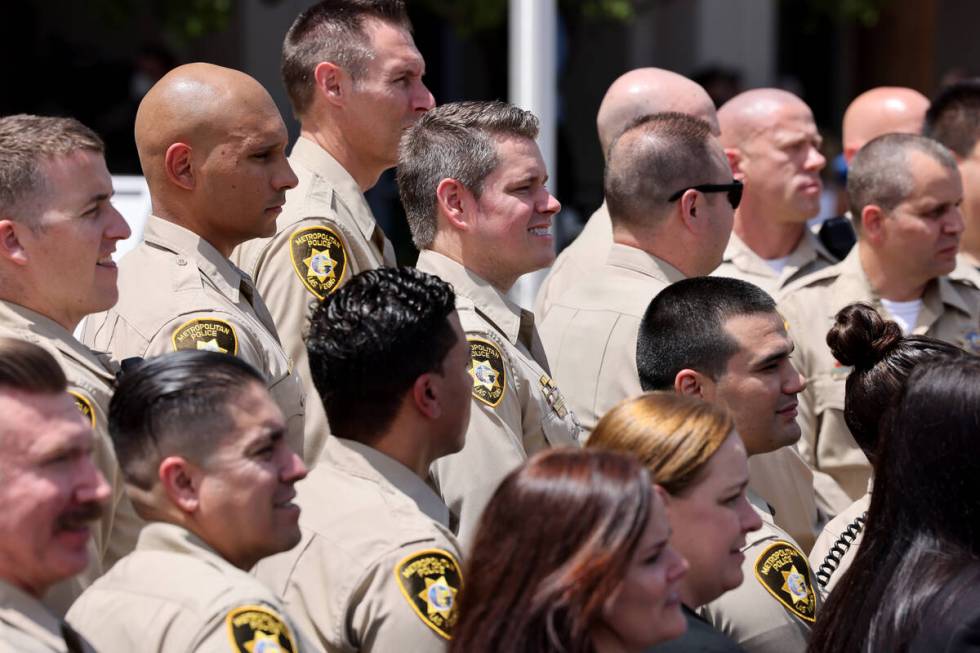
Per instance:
(494,438)
(786,483)
(618,375)
(407,602)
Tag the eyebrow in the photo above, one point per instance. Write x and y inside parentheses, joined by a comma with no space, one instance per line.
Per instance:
(776,356)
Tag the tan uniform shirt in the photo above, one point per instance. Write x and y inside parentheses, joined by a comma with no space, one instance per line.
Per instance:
(174,594)
(577,261)
(950,312)
(774,608)
(27,627)
(378,568)
(176,292)
(838,544)
(91,382)
(740,262)
(590,332)
(325,234)
(518,409)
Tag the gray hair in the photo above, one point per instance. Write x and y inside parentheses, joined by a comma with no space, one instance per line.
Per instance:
(25,141)
(453,141)
(332,30)
(653,158)
(879,174)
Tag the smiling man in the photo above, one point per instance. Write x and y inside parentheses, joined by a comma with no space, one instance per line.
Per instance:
(472,181)
(721,340)
(354,78)
(905,192)
(57,233)
(773,147)
(50,491)
(203,451)
(212,146)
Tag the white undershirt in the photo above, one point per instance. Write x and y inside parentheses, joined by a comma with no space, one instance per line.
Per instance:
(905,313)
(777,264)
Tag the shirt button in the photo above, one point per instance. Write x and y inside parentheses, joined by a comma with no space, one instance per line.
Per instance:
(181,260)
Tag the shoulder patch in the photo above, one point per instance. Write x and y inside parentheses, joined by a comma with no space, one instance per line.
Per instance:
(429,580)
(785,574)
(206,333)
(488,371)
(319,259)
(258,629)
(84,406)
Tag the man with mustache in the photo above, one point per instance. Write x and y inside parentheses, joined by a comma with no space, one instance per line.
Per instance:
(58,229)
(773,147)
(203,450)
(212,147)
(51,491)
(905,193)
(354,79)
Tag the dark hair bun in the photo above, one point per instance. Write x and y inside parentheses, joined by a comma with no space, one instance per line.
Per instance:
(861,337)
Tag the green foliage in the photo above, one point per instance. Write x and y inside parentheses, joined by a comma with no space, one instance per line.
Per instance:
(182,20)
(863,12)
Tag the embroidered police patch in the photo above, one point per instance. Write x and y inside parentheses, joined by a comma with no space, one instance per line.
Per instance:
(429,580)
(84,406)
(487,370)
(319,258)
(207,334)
(256,629)
(785,574)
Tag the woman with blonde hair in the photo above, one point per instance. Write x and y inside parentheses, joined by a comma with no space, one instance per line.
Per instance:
(692,449)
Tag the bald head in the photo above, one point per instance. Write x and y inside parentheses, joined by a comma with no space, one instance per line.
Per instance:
(882,110)
(198,104)
(645,91)
(749,114)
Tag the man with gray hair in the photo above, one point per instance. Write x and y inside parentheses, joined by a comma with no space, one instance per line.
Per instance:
(905,192)
(472,181)
(634,94)
(58,230)
(354,78)
(671,198)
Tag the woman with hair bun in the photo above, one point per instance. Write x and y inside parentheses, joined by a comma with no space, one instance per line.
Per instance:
(881,359)
(914,584)
(571,556)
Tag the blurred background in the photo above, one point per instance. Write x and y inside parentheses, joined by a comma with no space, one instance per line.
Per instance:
(95,59)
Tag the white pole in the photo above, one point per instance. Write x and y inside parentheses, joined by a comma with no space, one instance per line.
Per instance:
(534,86)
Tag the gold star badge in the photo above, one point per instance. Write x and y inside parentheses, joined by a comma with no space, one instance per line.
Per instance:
(794,585)
(320,265)
(211,345)
(439,597)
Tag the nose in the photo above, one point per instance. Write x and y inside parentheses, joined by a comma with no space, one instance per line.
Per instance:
(815,161)
(118,228)
(749,517)
(423,99)
(285,177)
(95,487)
(795,382)
(678,565)
(954,225)
(550,205)
(294,470)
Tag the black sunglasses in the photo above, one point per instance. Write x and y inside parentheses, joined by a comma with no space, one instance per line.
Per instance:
(733,189)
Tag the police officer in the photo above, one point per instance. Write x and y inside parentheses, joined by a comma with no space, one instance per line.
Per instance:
(722,340)
(354,78)
(773,147)
(211,143)
(634,94)
(50,492)
(203,451)
(473,184)
(378,568)
(905,192)
(58,232)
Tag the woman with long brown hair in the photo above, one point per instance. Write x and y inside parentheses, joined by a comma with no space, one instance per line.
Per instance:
(571,556)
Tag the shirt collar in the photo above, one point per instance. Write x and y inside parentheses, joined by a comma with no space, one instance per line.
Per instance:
(309,154)
(164,536)
(28,614)
(507,317)
(638,260)
(191,247)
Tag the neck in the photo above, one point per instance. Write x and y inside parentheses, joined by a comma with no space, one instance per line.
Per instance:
(410,447)
(187,221)
(345,153)
(689,596)
(475,259)
(12,291)
(768,238)
(890,281)
(668,247)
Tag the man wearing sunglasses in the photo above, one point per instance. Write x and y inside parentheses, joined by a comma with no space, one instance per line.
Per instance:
(671,199)
(773,146)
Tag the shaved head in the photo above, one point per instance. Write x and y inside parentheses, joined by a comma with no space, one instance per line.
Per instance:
(749,114)
(645,91)
(882,110)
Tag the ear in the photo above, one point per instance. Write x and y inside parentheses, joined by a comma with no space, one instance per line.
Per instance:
(688,204)
(177,164)
(452,199)
(873,224)
(426,394)
(180,479)
(735,162)
(330,79)
(693,384)
(10,245)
